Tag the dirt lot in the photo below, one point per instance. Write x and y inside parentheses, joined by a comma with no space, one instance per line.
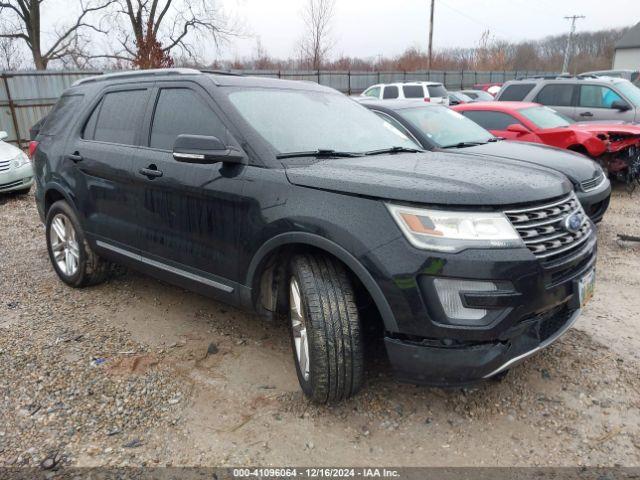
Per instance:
(119,375)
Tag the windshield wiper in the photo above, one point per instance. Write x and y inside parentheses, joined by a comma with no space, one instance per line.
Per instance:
(465,144)
(393,150)
(320,153)
(495,139)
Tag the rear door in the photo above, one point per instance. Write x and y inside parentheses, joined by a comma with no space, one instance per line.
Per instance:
(595,102)
(100,156)
(560,97)
(191,213)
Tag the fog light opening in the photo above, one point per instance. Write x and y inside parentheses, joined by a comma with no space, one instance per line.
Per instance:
(449,293)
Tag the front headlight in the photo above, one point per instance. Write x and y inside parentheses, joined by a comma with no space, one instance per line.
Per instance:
(20,160)
(451,231)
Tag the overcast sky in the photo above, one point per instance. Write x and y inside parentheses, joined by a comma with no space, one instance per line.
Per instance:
(367,28)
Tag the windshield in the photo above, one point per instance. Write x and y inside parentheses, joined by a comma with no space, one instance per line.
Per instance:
(545,117)
(444,127)
(301,121)
(630,91)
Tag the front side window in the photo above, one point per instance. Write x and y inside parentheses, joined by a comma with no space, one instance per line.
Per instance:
(444,127)
(301,121)
(373,92)
(597,96)
(490,120)
(516,92)
(559,95)
(181,111)
(545,117)
(413,91)
(390,92)
(117,117)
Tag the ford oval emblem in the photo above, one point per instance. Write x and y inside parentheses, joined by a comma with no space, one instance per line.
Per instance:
(573,222)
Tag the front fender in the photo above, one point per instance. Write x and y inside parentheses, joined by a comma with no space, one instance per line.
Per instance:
(322,243)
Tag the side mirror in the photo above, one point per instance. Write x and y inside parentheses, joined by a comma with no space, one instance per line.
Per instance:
(518,128)
(620,105)
(3,135)
(205,150)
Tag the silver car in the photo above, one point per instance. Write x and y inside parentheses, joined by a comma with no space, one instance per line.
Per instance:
(582,98)
(16,172)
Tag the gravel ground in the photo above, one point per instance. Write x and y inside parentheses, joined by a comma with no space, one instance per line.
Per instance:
(137,372)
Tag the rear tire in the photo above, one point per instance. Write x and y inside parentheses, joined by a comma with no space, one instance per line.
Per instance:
(72,258)
(325,329)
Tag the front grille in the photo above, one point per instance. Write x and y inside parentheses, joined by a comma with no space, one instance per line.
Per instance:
(5,165)
(592,183)
(542,227)
(10,185)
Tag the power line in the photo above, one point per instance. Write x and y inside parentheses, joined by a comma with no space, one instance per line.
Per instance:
(567,51)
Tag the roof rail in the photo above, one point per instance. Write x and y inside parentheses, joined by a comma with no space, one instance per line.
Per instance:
(223,72)
(137,73)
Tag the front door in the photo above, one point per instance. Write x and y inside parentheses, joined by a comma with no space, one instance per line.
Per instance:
(190,213)
(595,102)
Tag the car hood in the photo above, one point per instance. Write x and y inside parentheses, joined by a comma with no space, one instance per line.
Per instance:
(574,165)
(7,151)
(608,127)
(435,178)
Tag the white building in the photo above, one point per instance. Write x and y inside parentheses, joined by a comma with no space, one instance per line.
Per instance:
(627,54)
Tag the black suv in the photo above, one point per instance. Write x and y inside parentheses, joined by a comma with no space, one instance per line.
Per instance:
(289,198)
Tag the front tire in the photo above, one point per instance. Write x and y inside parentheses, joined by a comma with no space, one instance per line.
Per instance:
(72,258)
(325,329)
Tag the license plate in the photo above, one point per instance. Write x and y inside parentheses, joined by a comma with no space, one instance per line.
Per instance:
(586,287)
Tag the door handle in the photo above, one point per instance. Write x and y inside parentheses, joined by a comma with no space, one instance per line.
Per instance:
(75,157)
(586,114)
(150,172)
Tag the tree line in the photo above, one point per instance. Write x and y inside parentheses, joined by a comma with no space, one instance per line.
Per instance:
(166,33)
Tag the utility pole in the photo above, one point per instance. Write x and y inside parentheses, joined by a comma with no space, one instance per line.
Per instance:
(433,2)
(567,51)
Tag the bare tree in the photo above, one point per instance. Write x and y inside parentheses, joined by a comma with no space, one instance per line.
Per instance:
(23,21)
(317,43)
(10,54)
(154,30)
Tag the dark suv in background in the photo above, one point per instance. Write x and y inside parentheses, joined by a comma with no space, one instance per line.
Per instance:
(289,198)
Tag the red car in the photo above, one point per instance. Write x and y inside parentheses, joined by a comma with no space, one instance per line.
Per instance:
(616,145)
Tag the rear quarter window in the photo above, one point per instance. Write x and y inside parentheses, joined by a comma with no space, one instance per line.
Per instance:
(516,92)
(413,91)
(62,112)
(437,91)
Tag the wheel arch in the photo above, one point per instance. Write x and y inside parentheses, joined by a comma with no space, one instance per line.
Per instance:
(54,192)
(264,265)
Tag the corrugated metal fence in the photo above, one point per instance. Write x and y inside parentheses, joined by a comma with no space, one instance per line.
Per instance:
(25,97)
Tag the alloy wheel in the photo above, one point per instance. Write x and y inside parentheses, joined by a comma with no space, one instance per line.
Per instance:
(299,328)
(64,245)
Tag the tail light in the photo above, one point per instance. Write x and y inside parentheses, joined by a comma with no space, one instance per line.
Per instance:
(33,145)
(427,99)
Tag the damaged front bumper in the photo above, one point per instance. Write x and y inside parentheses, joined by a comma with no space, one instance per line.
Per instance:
(463,364)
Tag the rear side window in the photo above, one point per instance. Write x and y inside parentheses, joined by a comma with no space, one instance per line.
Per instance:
(182,111)
(390,92)
(117,117)
(437,91)
(413,91)
(60,115)
(490,120)
(516,92)
(560,95)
